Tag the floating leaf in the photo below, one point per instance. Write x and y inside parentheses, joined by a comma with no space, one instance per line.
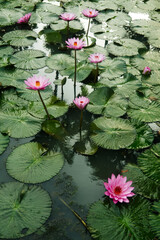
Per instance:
(155,218)
(113,68)
(83,71)
(31,163)
(9,16)
(144,137)
(32,95)
(19,124)
(142,184)
(13,77)
(59,61)
(149,162)
(20,38)
(32,59)
(112,133)
(130,221)
(4,140)
(23,209)
(55,107)
(125,47)
(54,128)
(6,51)
(43,17)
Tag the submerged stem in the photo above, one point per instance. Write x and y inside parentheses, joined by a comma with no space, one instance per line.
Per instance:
(81,119)
(44,104)
(88,27)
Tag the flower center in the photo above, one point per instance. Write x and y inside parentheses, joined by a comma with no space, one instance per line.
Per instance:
(117,190)
(37,83)
(75,44)
(96,56)
(81,101)
(90,12)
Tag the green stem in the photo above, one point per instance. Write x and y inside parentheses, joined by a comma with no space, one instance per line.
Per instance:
(44,104)
(67,29)
(96,75)
(75,71)
(88,27)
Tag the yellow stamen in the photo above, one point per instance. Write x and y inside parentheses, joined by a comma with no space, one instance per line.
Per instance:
(75,44)
(90,12)
(37,83)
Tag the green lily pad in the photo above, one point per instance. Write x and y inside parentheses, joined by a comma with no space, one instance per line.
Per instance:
(4,140)
(54,128)
(113,68)
(13,77)
(43,17)
(125,47)
(19,124)
(20,38)
(154,218)
(32,95)
(32,59)
(23,209)
(150,59)
(112,222)
(6,51)
(55,107)
(109,32)
(61,25)
(9,16)
(112,133)
(83,71)
(142,184)
(59,61)
(149,162)
(109,105)
(31,163)
(10,101)
(144,137)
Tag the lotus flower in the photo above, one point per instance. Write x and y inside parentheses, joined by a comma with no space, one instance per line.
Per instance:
(96,58)
(75,43)
(37,82)
(68,16)
(118,189)
(146,71)
(81,102)
(91,13)
(25,18)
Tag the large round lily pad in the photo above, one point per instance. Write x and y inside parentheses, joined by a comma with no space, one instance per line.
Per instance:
(23,209)
(19,124)
(112,133)
(29,59)
(20,38)
(31,163)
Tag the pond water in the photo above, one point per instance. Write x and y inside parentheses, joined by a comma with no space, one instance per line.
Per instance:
(80,182)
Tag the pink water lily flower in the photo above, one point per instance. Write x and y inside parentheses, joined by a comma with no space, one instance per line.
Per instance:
(81,102)
(75,43)
(146,71)
(37,82)
(118,189)
(25,18)
(91,13)
(96,58)
(68,16)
